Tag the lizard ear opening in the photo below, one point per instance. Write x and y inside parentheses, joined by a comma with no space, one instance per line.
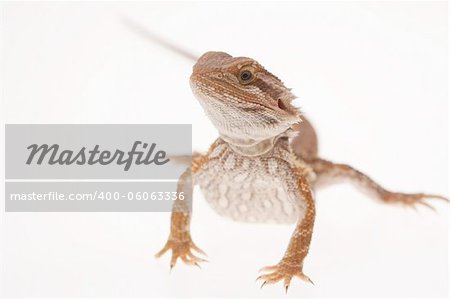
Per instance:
(281,105)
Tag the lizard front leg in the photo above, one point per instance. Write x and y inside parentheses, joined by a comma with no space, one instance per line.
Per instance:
(180,240)
(292,262)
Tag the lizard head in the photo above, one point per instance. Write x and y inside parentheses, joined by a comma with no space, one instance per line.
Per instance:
(241,98)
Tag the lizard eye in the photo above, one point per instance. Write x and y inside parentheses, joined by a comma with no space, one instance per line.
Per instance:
(245,76)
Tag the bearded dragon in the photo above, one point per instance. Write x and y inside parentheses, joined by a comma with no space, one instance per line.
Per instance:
(265,165)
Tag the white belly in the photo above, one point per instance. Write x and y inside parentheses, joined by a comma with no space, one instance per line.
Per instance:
(242,189)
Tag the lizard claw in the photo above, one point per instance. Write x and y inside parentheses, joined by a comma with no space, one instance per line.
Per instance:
(282,271)
(412,200)
(195,247)
(182,250)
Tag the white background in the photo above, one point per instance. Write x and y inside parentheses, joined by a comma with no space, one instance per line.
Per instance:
(371,76)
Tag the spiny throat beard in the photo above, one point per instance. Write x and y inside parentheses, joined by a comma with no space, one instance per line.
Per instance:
(256,106)
(238,119)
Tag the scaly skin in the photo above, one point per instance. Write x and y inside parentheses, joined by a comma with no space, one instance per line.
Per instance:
(260,169)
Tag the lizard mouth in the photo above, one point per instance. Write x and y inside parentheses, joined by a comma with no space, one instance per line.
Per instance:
(213,88)
(212,94)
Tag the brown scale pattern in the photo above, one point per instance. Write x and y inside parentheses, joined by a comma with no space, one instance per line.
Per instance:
(272,186)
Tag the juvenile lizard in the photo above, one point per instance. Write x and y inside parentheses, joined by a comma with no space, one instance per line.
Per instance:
(259,169)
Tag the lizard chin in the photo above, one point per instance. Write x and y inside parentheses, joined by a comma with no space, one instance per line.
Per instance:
(243,122)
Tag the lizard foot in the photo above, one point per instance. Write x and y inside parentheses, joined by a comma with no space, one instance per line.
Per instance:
(182,250)
(412,200)
(282,271)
